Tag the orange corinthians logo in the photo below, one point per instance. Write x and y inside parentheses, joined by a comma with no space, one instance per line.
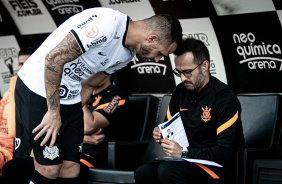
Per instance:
(206,116)
(97,101)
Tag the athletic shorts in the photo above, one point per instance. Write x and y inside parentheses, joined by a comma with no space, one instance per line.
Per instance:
(30,110)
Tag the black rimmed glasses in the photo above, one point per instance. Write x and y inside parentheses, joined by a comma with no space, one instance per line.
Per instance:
(186,73)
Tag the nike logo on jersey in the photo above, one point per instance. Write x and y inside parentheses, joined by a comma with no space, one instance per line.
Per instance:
(101,53)
(183,109)
(116,37)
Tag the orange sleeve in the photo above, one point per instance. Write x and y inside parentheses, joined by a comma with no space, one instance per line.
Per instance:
(11,113)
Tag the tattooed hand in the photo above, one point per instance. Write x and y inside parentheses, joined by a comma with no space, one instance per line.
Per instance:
(50,124)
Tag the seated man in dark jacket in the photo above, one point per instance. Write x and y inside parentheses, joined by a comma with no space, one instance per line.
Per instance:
(210,112)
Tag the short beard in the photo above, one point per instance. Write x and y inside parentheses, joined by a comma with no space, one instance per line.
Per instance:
(143,51)
(198,83)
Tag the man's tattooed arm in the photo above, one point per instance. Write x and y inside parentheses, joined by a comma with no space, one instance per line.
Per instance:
(66,51)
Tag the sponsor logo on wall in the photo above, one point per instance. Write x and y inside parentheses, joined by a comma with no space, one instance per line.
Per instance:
(8,61)
(65,7)
(30,16)
(62,10)
(135,9)
(150,77)
(113,2)
(253,52)
(25,8)
(257,56)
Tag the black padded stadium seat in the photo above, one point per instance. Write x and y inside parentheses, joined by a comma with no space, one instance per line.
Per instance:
(130,154)
(267,170)
(142,114)
(261,127)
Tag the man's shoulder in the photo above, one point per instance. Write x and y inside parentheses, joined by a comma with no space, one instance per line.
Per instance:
(220,87)
(223,92)
(114,91)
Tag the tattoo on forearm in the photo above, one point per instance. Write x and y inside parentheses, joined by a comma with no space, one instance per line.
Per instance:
(66,51)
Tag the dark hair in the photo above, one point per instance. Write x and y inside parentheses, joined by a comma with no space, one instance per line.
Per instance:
(197,47)
(167,27)
(26,51)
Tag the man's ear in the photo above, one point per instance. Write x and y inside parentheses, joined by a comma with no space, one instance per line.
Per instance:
(205,65)
(152,38)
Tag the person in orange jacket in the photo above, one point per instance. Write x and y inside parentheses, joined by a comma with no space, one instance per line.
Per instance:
(7,134)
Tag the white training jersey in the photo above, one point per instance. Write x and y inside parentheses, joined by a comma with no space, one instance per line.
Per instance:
(100,33)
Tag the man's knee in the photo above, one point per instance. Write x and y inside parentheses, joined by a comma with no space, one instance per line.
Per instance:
(69,169)
(146,174)
(164,170)
(48,171)
(172,172)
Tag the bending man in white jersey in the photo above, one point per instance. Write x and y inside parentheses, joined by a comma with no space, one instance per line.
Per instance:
(88,46)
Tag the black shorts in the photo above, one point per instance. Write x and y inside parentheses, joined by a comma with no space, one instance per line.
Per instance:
(30,110)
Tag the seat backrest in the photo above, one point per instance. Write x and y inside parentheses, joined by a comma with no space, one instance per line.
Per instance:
(142,114)
(260,120)
(154,149)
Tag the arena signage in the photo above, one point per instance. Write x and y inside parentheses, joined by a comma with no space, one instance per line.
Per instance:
(253,52)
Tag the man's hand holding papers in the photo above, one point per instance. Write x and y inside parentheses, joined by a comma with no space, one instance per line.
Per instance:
(172,136)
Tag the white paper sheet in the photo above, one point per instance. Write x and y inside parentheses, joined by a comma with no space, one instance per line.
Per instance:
(174,130)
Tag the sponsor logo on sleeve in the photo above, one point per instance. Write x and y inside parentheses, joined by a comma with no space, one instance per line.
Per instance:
(112,105)
(83,24)
(98,41)
(91,31)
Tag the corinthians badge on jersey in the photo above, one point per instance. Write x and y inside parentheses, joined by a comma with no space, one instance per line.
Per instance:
(91,31)
(206,116)
(51,153)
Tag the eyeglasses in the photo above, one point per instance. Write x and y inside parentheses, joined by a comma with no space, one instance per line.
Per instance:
(186,73)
